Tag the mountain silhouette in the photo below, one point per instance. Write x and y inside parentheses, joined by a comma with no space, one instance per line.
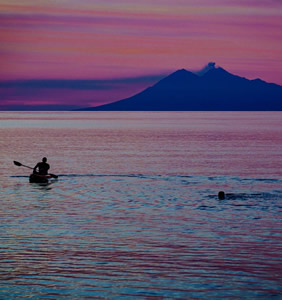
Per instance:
(215,90)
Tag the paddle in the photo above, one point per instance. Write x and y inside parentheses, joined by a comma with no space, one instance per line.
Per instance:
(21,165)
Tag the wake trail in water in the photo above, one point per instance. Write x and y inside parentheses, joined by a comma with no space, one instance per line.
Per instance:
(102,175)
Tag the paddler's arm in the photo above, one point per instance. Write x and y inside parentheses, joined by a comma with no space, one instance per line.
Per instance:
(34,169)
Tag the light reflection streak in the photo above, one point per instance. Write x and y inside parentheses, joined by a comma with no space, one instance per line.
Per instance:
(142,230)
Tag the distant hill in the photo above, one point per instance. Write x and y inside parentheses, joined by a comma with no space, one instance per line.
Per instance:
(215,90)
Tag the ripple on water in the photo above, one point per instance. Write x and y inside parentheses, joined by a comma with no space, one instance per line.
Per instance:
(137,235)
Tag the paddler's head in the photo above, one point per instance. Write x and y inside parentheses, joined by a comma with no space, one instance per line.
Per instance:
(44,159)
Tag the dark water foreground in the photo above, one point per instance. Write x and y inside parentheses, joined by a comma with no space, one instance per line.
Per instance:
(135,212)
(141,236)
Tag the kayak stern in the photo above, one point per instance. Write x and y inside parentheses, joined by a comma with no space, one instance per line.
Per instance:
(36,178)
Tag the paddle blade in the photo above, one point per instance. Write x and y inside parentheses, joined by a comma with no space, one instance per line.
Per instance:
(53,175)
(17,163)
(21,165)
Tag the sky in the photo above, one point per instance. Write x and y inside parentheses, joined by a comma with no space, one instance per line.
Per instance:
(63,54)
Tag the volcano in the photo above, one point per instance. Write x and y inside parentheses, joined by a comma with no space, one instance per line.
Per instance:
(215,90)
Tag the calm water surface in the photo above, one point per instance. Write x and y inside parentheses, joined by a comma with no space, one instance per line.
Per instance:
(135,214)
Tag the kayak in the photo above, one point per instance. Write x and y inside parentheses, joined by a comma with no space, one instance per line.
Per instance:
(36,178)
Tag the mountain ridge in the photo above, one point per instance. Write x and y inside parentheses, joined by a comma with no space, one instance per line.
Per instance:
(216,89)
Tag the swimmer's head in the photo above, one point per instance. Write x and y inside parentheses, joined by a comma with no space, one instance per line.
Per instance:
(221,195)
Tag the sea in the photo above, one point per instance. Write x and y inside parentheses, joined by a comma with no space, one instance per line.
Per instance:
(134,213)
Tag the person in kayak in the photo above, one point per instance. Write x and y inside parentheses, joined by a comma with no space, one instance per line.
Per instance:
(42,167)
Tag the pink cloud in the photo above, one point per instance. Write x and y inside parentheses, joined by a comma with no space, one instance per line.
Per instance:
(110,40)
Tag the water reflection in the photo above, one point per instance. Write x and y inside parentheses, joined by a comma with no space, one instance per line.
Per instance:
(135,212)
(138,235)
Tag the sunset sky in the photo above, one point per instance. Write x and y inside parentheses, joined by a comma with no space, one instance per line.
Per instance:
(76,53)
